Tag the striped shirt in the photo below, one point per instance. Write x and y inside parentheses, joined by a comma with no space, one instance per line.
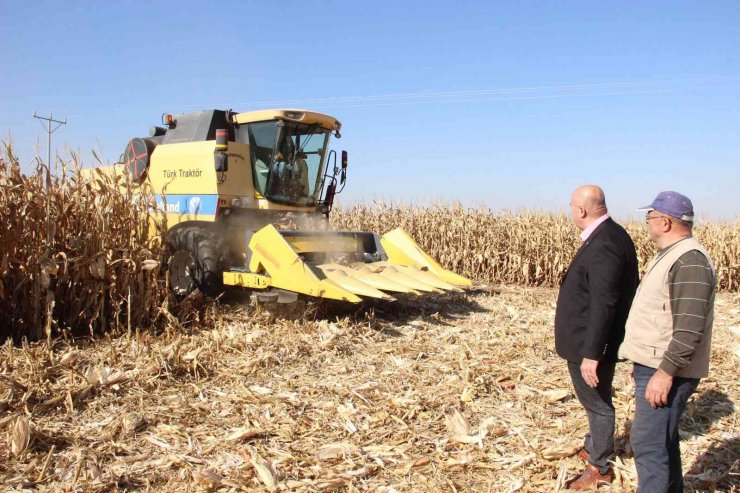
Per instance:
(691,286)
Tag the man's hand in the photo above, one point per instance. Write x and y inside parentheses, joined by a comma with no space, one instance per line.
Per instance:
(658,387)
(588,372)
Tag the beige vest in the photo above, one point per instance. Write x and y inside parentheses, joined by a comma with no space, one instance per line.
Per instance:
(649,328)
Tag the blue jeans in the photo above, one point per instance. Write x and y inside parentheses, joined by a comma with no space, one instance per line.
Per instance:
(654,434)
(599,442)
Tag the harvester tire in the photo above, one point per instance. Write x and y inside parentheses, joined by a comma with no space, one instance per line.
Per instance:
(194,262)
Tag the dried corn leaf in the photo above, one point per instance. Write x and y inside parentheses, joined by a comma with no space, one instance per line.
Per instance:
(265,470)
(332,484)
(19,436)
(488,427)
(332,451)
(241,434)
(350,426)
(361,473)
(467,394)
(556,395)
(558,452)
(260,390)
(457,424)
(92,375)
(210,476)
(69,358)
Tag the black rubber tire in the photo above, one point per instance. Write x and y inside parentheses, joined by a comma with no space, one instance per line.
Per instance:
(203,245)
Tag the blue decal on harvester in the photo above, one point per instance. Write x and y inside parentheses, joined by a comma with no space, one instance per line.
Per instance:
(188,204)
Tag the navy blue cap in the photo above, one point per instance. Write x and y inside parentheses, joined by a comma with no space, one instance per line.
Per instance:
(672,203)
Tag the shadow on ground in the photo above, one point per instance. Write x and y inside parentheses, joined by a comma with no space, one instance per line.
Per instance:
(717,469)
(440,309)
(704,409)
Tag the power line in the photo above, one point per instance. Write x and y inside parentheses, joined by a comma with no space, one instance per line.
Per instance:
(570,89)
(481,95)
(361,104)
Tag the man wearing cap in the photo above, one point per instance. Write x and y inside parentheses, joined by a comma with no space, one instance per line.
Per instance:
(668,337)
(593,303)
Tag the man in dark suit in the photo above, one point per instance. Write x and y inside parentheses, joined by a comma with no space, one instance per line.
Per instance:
(593,304)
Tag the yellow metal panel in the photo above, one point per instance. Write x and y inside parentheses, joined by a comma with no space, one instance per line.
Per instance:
(238,179)
(353,285)
(247,280)
(367,276)
(393,274)
(186,168)
(324,243)
(273,255)
(425,277)
(403,250)
(293,115)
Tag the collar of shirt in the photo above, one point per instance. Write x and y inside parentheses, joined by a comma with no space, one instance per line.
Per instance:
(591,227)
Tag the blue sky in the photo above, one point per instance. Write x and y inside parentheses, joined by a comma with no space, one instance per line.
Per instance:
(504,104)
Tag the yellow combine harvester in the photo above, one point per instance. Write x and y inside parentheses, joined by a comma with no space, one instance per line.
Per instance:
(225,180)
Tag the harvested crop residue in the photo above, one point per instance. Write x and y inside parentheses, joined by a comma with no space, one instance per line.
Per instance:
(461,394)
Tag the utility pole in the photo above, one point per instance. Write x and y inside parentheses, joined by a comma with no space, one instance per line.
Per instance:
(49,119)
(49,130)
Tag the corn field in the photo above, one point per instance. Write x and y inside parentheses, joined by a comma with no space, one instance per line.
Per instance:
(460,393)
(519,248)
(75,254)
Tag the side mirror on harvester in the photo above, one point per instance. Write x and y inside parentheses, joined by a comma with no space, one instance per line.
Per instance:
(221,162)
(343,176)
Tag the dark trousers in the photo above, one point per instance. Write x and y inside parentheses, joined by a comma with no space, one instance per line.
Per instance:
(600,411)
(654,434)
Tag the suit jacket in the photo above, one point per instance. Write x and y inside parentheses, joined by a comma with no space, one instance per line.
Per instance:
(595,296)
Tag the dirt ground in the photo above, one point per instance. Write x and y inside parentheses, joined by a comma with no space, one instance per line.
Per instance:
(461,393)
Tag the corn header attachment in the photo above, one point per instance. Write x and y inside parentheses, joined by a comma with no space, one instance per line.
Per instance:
(347,266)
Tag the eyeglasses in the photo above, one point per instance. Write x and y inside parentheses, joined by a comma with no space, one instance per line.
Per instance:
(648,217)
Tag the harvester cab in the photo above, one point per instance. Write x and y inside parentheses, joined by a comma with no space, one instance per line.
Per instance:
(246,197)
